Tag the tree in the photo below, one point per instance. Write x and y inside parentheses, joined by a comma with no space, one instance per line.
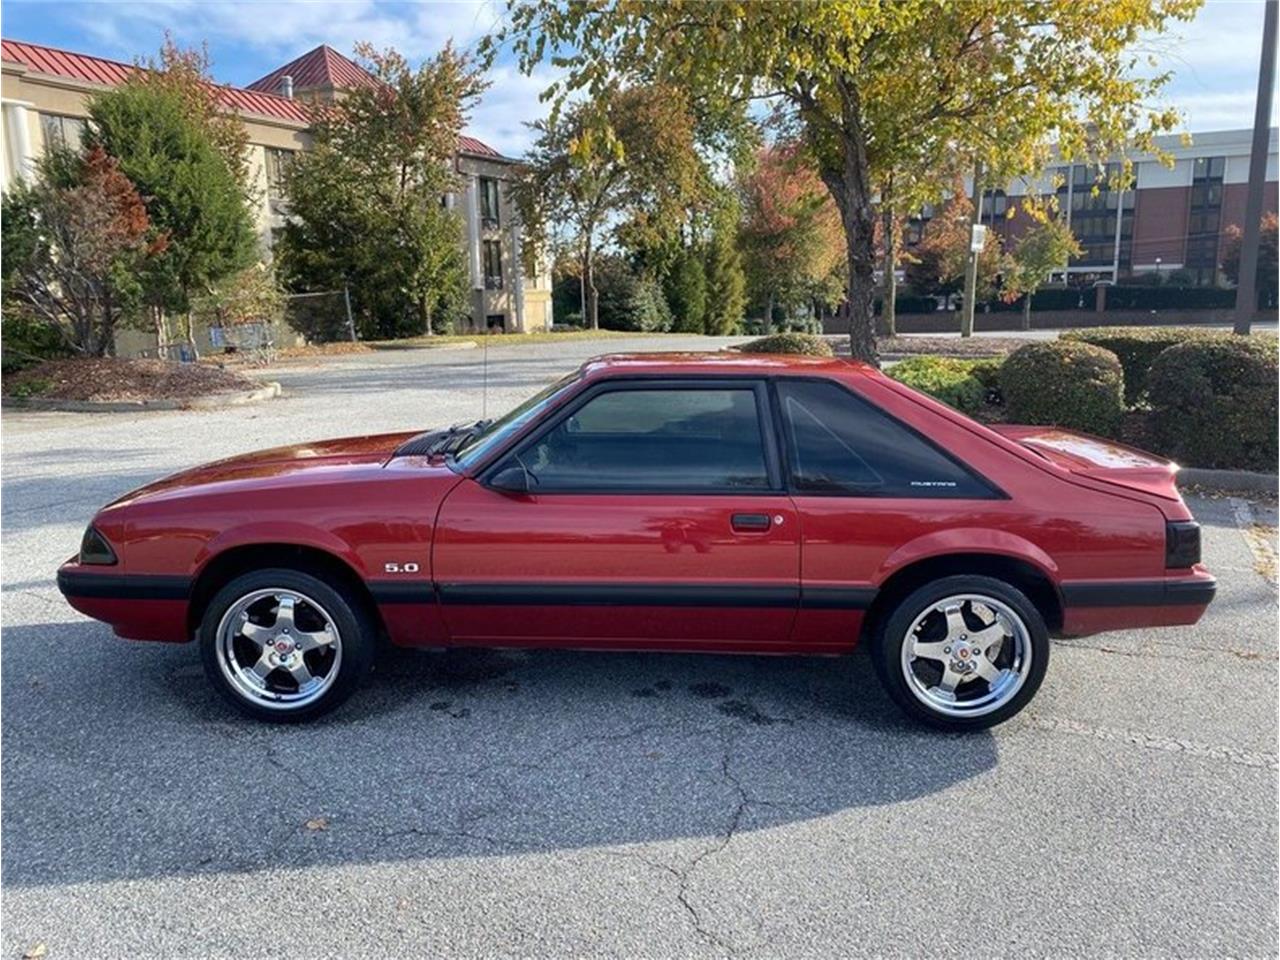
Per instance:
(1045,247)
(791,236)
(623,168)
(75,245)
(365,202)
(1004,78)
(726,281)
(1267,252)
(937,263)
(250,296)
(686,290)
(162,127)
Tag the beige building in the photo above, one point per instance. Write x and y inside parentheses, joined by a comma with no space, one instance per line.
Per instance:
(45,91)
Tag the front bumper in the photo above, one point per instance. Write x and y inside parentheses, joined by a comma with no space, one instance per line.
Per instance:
(136,606)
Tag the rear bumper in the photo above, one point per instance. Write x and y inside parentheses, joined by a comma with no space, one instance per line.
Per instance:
(136,606)
(1094,606)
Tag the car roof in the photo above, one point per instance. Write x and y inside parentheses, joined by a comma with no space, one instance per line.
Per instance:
(723,363)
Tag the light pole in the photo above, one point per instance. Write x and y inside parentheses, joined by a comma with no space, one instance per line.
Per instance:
(1247,283)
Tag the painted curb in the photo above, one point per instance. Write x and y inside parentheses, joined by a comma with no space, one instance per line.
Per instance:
(1244,480)
(216,401)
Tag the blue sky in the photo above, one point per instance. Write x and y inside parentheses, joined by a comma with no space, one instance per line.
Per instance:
(1215,58)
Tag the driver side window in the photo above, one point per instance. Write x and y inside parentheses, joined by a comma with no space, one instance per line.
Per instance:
(654,439)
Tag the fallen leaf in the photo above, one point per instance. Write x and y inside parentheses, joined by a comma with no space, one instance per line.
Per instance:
(317,823)
(36,952)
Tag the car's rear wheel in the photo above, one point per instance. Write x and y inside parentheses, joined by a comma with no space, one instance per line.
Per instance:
(963,652)
(283,645)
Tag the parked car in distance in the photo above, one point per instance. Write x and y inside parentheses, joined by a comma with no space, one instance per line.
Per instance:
(695,502)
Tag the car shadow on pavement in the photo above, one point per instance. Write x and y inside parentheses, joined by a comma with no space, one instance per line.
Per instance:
(120,762)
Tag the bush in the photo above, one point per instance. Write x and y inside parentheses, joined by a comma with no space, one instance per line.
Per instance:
(1214,402)
(629,301)
(27,340)
(1170,298)
(803,343)
(1137,348)
(1064,383)
(955,382)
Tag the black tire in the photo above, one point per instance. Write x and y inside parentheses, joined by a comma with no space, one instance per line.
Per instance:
(891,634)
(355,623)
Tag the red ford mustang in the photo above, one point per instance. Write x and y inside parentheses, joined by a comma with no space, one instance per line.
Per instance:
(710,502)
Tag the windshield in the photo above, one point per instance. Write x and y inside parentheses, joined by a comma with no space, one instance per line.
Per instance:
(495,432)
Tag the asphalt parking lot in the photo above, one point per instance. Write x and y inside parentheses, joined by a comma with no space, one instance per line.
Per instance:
(489,803)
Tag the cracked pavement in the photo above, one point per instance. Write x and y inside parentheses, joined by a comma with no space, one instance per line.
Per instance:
(478,803)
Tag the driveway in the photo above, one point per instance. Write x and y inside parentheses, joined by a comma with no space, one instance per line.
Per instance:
(549,803)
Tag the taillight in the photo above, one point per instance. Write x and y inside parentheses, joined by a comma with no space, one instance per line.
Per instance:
(1181,543)
(95,549)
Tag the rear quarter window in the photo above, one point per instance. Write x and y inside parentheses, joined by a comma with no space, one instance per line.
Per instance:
(839,444)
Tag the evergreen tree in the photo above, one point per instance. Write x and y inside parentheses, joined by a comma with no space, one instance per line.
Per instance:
(726,283)
(686,291)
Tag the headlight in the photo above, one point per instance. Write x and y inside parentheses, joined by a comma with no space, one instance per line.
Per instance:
(95,549)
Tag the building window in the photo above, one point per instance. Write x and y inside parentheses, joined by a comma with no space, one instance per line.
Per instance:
(496,322)
(1095,206)
(489,202)
(278,163)
(1205,219)
(63,132)
(493,265)
(994,206)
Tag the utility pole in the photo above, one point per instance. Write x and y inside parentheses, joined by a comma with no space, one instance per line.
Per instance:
(1247,285)
(975,248)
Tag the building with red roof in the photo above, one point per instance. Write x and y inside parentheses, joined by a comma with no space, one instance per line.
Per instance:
(46,92)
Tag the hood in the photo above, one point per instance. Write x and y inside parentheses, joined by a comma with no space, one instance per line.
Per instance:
(1097,458)
(323,459)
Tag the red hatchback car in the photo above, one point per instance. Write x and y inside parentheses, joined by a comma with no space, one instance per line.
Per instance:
(701,502)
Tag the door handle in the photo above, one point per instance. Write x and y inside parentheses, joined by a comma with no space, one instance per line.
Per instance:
(750,522)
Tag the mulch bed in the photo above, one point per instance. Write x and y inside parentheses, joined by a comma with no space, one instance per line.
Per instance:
(111,379)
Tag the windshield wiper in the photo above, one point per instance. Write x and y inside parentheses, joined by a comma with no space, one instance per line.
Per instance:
(457,435)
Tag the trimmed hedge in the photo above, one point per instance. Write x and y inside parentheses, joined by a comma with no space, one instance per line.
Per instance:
(1137,348)
(1170,298)
(1064,383)
(803,343)
(963,384)
(1214,402)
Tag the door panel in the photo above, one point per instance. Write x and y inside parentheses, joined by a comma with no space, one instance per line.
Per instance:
(616,570)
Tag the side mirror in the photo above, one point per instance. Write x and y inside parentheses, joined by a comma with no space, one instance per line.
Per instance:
(512,478)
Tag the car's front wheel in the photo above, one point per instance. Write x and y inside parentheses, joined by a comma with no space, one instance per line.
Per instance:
(963,652)
(283,645)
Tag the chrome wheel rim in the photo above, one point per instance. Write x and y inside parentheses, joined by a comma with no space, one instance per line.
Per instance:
(279,648)
(966,655)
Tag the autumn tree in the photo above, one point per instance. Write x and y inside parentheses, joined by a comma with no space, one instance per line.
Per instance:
(251,296)
(621,170)
(994,81)
(188,163)
(364,203)
(937,264)
(1267,252)
(791,236)
(1046,246)
(76,242)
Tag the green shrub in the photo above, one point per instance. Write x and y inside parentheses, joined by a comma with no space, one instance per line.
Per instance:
(1137,348)
(958,383)
(1170,298)
(804,343)
(1214,402)
(27,340)
(1064,383)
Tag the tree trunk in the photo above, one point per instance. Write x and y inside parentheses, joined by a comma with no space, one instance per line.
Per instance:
(767,327)
(850,187)
(889,312)
(191,336)
(1026,310)
(591,306)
